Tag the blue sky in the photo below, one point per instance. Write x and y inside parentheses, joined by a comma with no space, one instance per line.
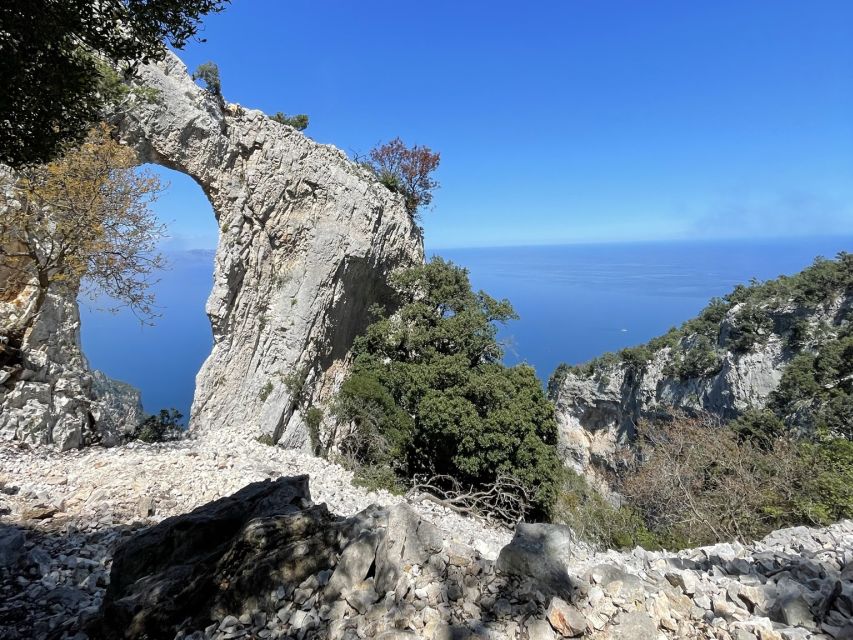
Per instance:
(564,122)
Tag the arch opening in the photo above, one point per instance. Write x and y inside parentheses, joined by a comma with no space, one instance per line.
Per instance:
(162,359)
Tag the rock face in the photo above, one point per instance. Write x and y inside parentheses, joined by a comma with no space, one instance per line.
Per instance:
(118,404)
(598,410)
(48,393)
(307,240)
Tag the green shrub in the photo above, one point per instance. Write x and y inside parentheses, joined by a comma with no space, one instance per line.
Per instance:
(208,73)
(265,439)
(825,494)
(163,427)
(598,522)
(555,382)
(816,390)
(427,394)
(294,384)
(265,391)
(760,427)
(298,122)
(313,420)
(694,361)
(752,328)
(636,357)
(378,479)
(799,334)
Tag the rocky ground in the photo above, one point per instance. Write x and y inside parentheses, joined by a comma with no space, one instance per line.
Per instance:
(62,517)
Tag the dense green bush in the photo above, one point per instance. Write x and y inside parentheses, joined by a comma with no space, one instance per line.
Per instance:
(816,390)
(428,396)
(698,359)
(826,493)
(208,73)
(752,328)
(164,427)
(313,420)
(760,427)
(298,122)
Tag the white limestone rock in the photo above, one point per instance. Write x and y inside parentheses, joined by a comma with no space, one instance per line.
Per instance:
(307,241)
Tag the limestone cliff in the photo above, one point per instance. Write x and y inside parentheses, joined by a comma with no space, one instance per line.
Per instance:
(307,239)
(729,359)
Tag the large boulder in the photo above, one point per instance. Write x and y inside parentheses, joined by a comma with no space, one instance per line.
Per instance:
(183,567)
(249,554)
(541,552)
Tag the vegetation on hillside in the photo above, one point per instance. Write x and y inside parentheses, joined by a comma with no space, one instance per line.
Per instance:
(298,121)
(690,480)
(694,479)
(54,59)
(429,398)
(163,427)
(696,346)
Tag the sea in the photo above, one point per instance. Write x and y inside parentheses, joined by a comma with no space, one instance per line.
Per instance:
(574,302)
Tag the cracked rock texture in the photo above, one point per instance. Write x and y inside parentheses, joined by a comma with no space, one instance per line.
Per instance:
(307,241)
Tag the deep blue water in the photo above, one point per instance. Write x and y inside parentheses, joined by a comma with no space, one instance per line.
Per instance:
(161,360)
(575,303)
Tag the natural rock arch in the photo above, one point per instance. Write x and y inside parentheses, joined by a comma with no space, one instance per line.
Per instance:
(307,240)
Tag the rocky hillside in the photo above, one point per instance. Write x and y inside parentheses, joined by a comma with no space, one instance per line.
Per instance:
(783,344)
(168,541)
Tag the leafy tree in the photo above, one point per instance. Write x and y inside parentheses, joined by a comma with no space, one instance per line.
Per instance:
(208,73)
(164,427)
(759,427)
(428,395)
(816,390)
(298,122)
(85,218)
(53,58)
(825,491)
(407,171)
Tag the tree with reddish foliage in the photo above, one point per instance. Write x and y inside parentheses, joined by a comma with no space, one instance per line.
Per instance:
(406,171)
